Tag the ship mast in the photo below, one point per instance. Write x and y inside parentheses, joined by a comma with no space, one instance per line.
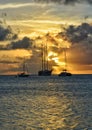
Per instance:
(65,59)
(44,57)
(24,66)
(45,68)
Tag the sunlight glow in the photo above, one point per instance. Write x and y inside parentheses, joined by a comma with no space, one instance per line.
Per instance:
(44,23)
(52,54)
(54,57)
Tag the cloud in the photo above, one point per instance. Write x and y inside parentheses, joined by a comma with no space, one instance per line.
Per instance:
(80,38)
(77,34)
(6,33)
(5,61)
(20,5)
(25,43)
(13,5)
(65,1)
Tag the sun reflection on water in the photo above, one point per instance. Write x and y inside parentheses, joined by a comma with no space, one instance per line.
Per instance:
(47,105)
(49,113)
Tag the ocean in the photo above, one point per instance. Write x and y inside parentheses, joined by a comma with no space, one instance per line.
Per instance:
(46,103)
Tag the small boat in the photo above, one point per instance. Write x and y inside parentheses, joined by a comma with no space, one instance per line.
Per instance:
(24,72)
(45,71)
(22,75)
(64,71)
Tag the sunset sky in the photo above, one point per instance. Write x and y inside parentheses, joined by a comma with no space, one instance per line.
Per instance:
(26,25)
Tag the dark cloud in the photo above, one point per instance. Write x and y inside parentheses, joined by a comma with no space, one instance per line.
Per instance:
(65,1)
(4,61)
(6,33)
(77,34)
(80,38)
(25,43)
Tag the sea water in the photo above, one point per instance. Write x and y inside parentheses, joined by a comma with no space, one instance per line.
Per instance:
(46,103)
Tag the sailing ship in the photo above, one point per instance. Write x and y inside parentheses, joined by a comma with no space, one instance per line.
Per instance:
(24,72)
(45,71)
(65,71)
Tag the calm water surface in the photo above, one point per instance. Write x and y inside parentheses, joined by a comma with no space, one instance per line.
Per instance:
(46,103)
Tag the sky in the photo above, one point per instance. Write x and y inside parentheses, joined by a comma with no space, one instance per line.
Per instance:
(26,25)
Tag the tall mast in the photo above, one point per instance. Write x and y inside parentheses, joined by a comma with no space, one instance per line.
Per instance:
(46,57)
(65,58)
(24,66)
(42,57)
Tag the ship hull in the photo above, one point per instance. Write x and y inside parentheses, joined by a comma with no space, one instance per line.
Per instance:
(22,75)
(65,74)
(45,73)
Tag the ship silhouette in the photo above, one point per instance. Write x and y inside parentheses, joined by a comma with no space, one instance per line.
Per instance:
(45,71)
(65,72)
(24,71)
